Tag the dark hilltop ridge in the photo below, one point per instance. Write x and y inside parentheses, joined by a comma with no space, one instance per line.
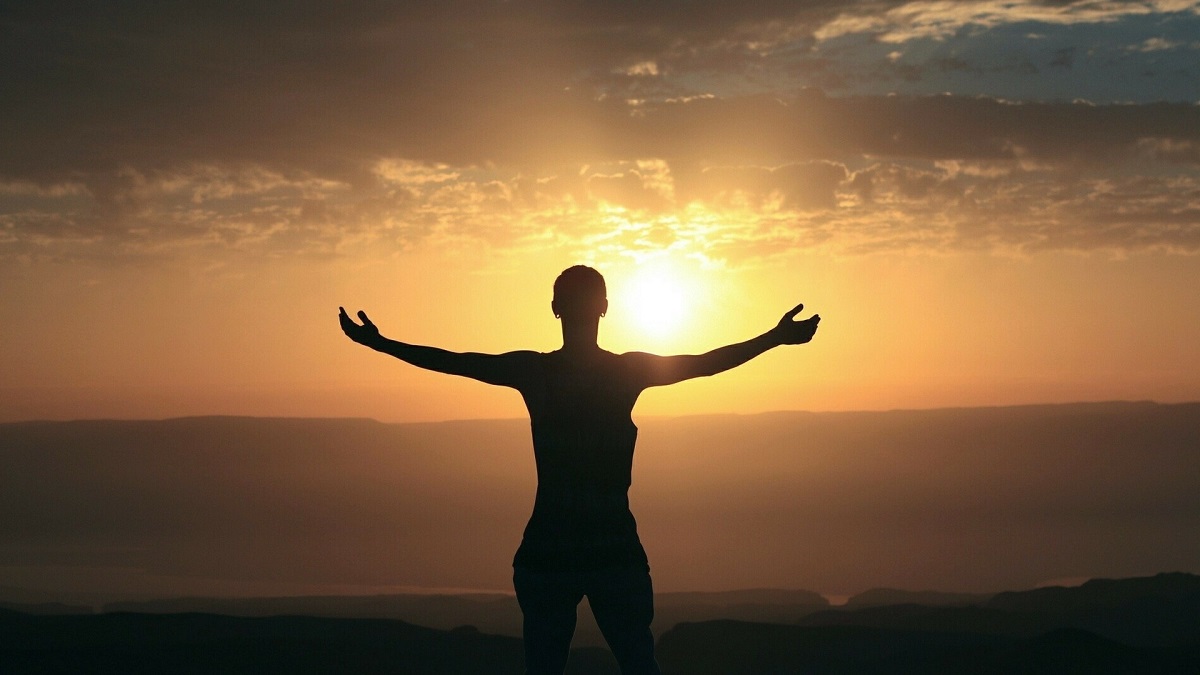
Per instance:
(1138,625)
(880,597)
(207,643)
(493,613)
(1158,611)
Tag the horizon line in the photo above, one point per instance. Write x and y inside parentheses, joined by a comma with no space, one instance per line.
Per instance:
(231,416)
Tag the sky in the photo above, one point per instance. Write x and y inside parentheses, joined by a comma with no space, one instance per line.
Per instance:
(989,203)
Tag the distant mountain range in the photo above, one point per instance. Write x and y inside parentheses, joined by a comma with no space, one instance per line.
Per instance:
(964,500)
(494,613)
(1140,625)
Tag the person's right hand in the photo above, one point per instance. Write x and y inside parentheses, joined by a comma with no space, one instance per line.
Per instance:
(365,334)
(790,332)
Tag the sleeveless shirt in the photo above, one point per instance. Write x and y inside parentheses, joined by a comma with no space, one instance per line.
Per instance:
(583,441)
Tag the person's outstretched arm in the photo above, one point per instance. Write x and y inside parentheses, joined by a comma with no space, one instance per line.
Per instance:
(662,370)
(509,369)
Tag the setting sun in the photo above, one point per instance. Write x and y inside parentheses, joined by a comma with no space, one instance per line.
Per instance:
(657,301)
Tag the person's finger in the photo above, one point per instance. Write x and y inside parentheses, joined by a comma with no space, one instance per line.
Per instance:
(363,315)
(342,313)
(792,314)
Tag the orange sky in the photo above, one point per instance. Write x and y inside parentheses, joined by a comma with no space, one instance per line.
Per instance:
(898,331)
(982,211)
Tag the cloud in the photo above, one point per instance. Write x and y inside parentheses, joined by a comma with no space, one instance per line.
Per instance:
(801,186)
(939,20)
(629,189)
(1025,211)
(853,175)
(152,86)
(155,130)
(812,127)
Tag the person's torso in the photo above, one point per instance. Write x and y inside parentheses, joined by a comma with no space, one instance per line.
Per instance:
(583,440)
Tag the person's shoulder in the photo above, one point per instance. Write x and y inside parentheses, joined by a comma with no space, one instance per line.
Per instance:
(636,360)
(636,356)
(524,356)
(520,369)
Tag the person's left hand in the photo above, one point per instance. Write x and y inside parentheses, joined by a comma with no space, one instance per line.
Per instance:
(366,334)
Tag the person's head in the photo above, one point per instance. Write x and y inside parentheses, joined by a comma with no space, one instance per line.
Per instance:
(579,293)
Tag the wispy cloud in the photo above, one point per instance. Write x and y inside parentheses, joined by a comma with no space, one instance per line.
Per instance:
(150,132)
(941,19)
(860,174)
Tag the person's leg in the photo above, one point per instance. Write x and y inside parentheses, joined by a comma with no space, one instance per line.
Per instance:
(623,602)
(548,602)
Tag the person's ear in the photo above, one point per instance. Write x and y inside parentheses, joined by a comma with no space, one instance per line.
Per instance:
(604,307)
(554,308)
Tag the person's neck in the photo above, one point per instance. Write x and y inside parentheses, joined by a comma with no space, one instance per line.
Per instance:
(579,337)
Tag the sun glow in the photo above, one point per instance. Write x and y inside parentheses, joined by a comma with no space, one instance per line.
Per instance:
(657,301)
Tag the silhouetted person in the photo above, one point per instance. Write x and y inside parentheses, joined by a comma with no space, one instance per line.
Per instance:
(582,539)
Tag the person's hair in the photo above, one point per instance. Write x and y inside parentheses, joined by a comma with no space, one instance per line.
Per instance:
(579,291)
